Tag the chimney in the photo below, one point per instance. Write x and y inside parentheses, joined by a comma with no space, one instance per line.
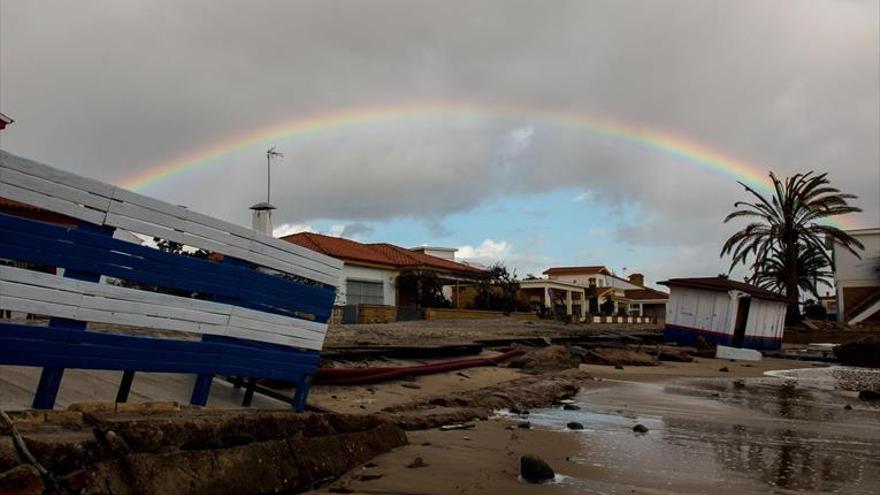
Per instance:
(637,278)
(262,218)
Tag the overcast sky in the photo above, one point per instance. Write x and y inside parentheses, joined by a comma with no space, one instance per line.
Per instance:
(106,89)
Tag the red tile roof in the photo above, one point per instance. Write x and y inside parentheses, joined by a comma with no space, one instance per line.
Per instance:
(645,294)
(378,254)
(719,284)
(575,270)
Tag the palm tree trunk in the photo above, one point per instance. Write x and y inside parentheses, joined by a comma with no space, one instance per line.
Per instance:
(792,290)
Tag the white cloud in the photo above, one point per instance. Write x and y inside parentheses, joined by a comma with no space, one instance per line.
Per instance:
(584,196)
(488,251)
(291,228)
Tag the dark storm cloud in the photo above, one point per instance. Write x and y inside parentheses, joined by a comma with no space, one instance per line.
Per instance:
(106,88)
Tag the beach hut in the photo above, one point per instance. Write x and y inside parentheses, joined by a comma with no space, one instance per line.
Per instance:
(724,312)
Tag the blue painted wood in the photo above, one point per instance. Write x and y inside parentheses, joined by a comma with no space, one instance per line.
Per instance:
(50,377)
(238,284)
(201,389)
(90,251)
(302,393)
(92,350)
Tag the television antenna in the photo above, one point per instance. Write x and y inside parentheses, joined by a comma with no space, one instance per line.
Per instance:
(270,154)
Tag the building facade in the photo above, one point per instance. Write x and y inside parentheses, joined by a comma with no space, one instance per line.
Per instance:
(857,279)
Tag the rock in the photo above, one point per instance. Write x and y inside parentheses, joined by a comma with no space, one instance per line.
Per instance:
(418,462)
(848,407)
(524,425)
(370,476)
(8,454)
(340,489)
(426,444)
(534,469)
(115,443)
(411,385)
(869,395)
(739,384)
(574,425)
(675,356)
(619,357)
(23,479)
(724,369)
(618,367)
(640,428)
(578,352)
(864,353)
(570,407)
(553,358)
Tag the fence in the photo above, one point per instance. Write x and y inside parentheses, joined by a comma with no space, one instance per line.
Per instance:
(259,312)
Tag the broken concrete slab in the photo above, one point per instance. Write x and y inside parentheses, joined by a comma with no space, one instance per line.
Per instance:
(725,352)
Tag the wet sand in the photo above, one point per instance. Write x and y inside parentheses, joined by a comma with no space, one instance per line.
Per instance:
(707,434)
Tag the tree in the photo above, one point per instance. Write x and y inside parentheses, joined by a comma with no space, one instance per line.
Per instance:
(425,286)
(813,270)
(785,237)
(497,289)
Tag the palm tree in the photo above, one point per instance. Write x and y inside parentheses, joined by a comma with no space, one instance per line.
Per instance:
(786,238)
(813,270)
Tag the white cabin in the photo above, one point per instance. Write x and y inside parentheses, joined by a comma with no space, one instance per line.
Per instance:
(724,312)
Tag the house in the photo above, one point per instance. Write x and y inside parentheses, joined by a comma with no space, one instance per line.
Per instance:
(370,271)
(629,295)
(857,280)
(725,312)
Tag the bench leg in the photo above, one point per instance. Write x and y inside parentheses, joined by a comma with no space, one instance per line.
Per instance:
(47,390)
(202,389)
(250,385)
(302,394)
(125,386)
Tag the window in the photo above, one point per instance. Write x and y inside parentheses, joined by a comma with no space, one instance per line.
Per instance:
(360,292)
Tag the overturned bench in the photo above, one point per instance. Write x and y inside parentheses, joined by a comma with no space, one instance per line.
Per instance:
(257,305)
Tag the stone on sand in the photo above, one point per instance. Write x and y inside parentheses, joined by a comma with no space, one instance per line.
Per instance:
(534,469)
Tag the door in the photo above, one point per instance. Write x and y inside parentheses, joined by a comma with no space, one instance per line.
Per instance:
(742,317)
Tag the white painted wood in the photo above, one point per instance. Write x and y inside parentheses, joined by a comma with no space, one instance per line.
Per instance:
(58,205)
(40,185)
(92,201)
(287,257)
(141,227)
(131,197)
(52,174)
(48,294)
(298,250)
(138,212)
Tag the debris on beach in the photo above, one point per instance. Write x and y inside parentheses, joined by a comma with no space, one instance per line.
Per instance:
(457,426)
(640,428)
(864,353)
(574,425)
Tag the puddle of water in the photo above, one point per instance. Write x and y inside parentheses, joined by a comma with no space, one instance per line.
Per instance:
(710,436)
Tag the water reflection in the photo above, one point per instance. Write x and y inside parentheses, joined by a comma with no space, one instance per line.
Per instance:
(785,458)
(768,435)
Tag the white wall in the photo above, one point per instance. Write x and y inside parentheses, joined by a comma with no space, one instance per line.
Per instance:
(851,271)
(766,319)
(702,309)
(367,274)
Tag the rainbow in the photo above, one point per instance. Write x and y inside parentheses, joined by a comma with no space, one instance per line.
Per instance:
(685,149)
